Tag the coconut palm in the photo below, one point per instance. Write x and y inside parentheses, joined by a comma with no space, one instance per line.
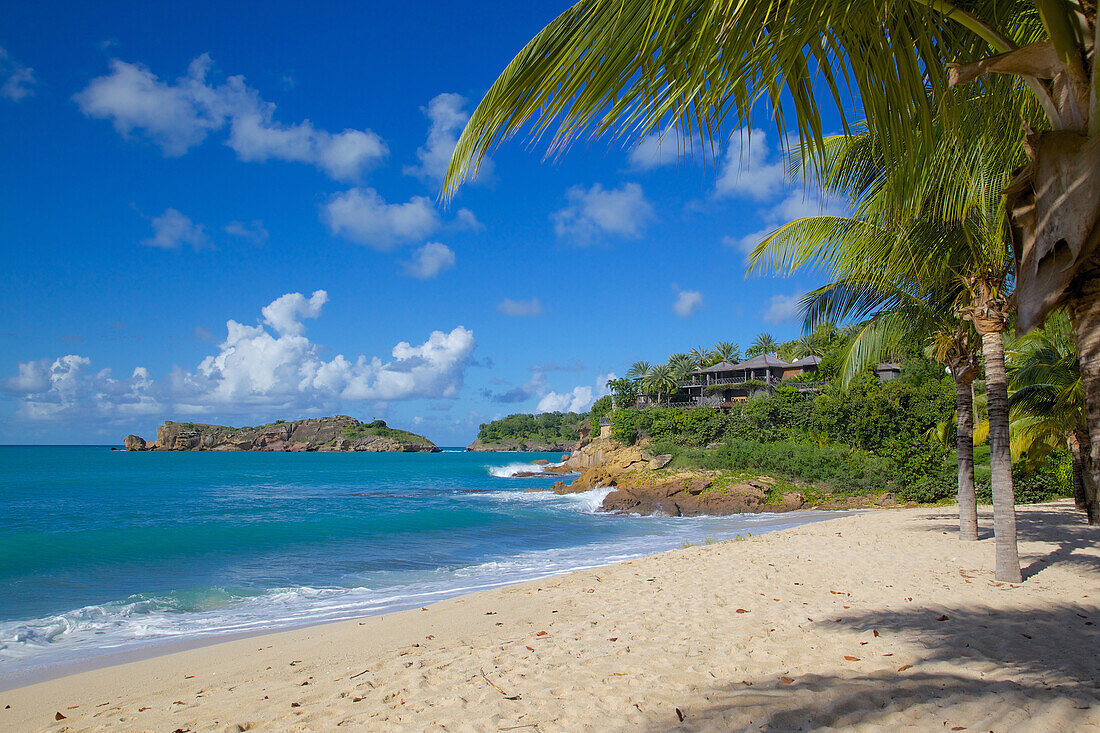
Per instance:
(726,351)
(968,266)
(639,369)
(1048,406)
(763,344)
(637,67)
(682,366)
(660,380)
(702,357)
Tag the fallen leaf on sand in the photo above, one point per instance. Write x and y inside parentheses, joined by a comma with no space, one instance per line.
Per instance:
(904,667)
(943,618)
(786,680)
(742,610)
(612,638)
(851,658)
(142,710)
(959,727)
(530,648)
(58,716)
(680,714)
(356,699)
(295,704)
(541,633)
(746,683)
(430,636)
(72,707)
(875,632)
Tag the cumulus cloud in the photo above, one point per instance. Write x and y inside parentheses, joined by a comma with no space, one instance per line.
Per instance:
(687,302)
(447,114)
(750,170)
(172,230)
(521,308)
(466,219)
(592,213)
(363,216)
(796,205)
(254,232)
(655,150)
(579,399)
(268,366)
(782,308)
(16,81)
(181,114)
(430,260)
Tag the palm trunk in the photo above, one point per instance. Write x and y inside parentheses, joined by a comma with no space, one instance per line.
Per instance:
(968,501)
(1082,464)
(1004,500)
(1079,498)
(1085,311)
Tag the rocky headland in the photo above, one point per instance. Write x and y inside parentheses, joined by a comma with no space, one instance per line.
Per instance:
(521,446)
(323,434)
(644,484)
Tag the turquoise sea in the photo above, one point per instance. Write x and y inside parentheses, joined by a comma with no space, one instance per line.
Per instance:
(104,551)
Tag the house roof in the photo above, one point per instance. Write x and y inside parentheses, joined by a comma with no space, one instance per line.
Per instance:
(811,360)
(722,366)
(764,360)
(887,367)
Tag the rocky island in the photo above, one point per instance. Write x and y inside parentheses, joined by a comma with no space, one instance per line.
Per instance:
(340,433)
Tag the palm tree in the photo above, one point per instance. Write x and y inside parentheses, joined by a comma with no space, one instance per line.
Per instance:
(702,356)
(726,351)
(660,380)
(763,344)
(1048,406)
(638,66)
(639,369)
(968,265)
(682,367)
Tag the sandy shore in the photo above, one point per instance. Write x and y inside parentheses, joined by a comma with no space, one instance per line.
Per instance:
(877,621)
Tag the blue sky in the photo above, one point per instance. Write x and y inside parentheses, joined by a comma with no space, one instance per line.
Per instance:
(227,213)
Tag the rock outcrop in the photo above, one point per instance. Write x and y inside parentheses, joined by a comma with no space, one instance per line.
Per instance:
(325,434)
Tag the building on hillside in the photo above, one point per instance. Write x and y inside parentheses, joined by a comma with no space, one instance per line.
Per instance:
(886,371)
(805,365)
(727,382)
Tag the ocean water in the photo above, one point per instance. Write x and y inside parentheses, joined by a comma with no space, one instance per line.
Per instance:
(104,551)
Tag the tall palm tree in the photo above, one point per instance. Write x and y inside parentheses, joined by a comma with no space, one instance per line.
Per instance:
(702,356)
(726,351)
(1048,406)
(639,66)
(639,369)
(763,344)
(660,380)
(682,367)
(968,264)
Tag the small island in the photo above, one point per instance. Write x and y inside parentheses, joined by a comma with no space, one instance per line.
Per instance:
(340,433)
(547,432)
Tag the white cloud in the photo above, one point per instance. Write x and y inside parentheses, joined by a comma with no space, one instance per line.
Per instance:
(16,80)
(687,302)
(448,116)
(579,399)
(172,230)
(655,150)
(180,115)
(749,169)
(362,215)
(622,212)
(286,312)
(796,205)
(255,371)
(782,308)
(254,231)
(521,308)
(465,219)
(430,260)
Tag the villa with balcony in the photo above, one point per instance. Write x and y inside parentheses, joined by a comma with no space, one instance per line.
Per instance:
(725,383)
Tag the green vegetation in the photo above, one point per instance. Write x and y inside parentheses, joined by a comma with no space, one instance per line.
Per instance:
(380,429)
(548,427)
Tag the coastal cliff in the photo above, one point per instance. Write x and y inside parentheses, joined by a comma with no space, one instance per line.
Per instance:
(324,434)
(644,483)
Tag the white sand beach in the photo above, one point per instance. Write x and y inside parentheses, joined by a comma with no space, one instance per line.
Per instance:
(877,621)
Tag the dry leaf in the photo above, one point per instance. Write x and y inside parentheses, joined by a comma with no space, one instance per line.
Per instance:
(875,632)
(680,714)
(742,610)
(786,680)
(904,667)
(746,683)
(612,638)
(530,648)
(541,633)
(295,704)
(58,716)
(851,659)
(942,618)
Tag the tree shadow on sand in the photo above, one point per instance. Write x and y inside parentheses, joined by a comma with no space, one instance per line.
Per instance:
(1040,666)
(1068,530)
